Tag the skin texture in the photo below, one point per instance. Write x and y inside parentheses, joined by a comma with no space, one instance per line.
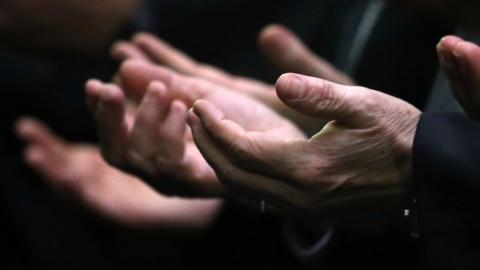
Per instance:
(363,154)
(77,25)
(155,142)
(461,62)
(278,44)
(79,172)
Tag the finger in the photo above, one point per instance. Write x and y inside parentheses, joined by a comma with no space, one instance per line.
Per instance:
(137,75)
(290,54)
(468,58)
(36,133)
(172,132)
(45,152)
(259,152)
(445,49)
(112,124)
(346,104)
(164,54)
(460,61)
(175,123)
(150,138)
(122,50)
(42,161)
(450,65)
(237,179)
(92,93)
(453,69)
(214,121)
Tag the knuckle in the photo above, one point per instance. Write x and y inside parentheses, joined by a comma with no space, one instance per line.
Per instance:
(323,96)
(309,173)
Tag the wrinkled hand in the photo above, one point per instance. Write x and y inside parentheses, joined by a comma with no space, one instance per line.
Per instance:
(81,25)
(77,170)
(363,154)
(277,42)
(461,62)
(157,144)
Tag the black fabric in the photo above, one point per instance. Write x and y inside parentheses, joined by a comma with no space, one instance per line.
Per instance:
(446,172)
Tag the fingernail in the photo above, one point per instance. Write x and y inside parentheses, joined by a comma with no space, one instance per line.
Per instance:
(294,87)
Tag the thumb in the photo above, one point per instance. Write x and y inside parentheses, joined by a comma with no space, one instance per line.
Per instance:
(317,97)
(460,61)
(290,54)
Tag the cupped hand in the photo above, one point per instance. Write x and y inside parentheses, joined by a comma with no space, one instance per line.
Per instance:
(278,44)
(153,141)
(362,155)
(78,172)
(154,149)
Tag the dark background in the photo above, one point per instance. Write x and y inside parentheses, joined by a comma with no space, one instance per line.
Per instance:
(41,230)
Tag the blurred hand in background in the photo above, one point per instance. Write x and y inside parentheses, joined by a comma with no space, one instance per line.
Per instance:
(79,172)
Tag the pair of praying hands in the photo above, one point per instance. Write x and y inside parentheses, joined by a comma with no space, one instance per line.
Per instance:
(195,130)
(78,170)
(190,129)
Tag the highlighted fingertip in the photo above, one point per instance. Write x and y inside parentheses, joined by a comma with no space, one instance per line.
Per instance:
(290,86)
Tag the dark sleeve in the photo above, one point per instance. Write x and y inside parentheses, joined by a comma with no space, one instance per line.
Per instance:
(446,166)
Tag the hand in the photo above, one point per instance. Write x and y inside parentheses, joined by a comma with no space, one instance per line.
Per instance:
(78,170)
(139,147)
(81,25)
(153,141)
(362,155)
(277,42)
(460,61)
